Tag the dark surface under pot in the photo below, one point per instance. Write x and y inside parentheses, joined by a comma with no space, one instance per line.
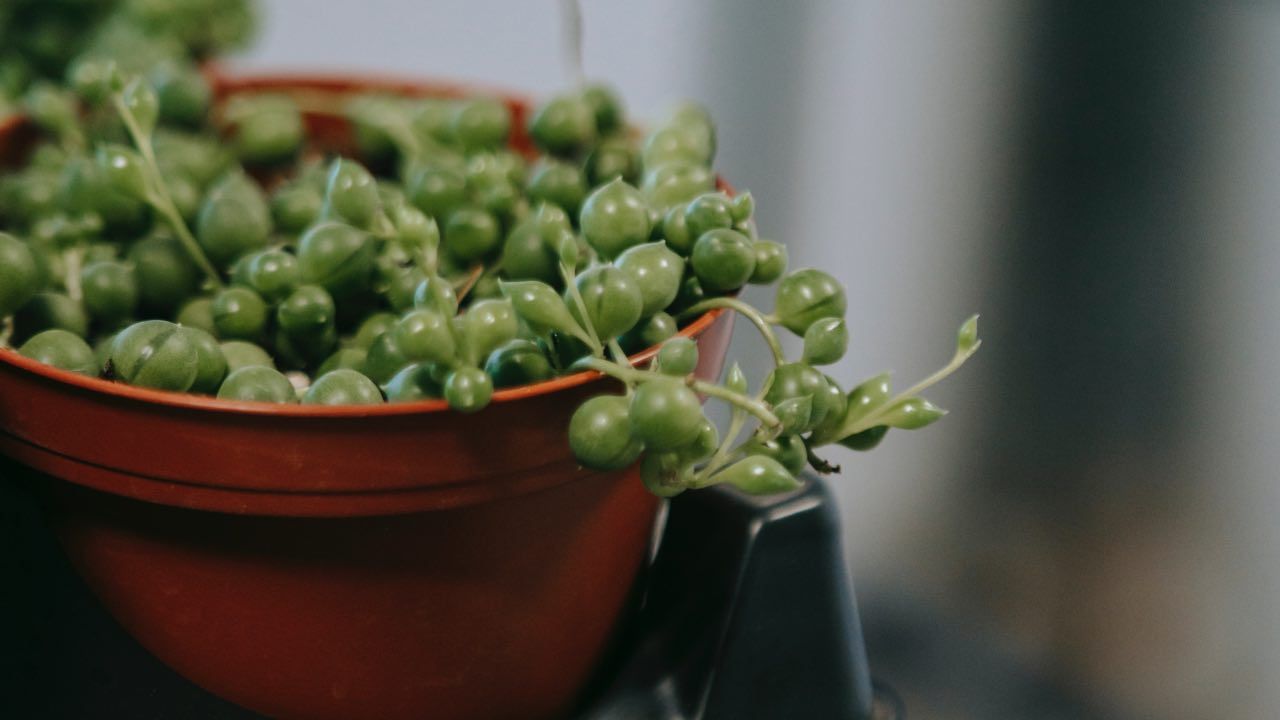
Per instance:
(771,631)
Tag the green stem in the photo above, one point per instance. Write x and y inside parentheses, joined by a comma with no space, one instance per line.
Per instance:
(935,378)
(757,408)
(382,227)
(74,257)
(162,201)
(552,356)
(189,242)
(6,331)
(630,375)
(619,356)
(872,419)
(723,453)
(761,322)
(597,347)
(627,375)
(429,258)
(425,263)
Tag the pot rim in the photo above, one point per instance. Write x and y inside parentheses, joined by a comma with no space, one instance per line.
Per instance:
(228,80)
(231,83)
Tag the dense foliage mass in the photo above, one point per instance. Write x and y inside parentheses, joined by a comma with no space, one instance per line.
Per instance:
(162,239)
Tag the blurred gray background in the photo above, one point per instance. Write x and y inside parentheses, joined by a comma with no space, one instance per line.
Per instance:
(1102,182)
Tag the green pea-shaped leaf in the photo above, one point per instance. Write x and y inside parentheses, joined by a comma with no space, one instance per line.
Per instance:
(807,295)
(486,325)
(141,101)
(559,183)
(93,78)
(468,389)
(677,143)
(351,194)
(789,450)
(385,358)
(912,414)
(183,92)
(665,413)
(266,128)
(549,219)
(211,364)
(518,362)
(435,293)
(758,475)
(155,354)
(704,446)
(541,307)
(794,380)
(338,257)
(563,125)
(867,397)
(259,384)
(234,219)
(744,205)
(795,413)
(166,274)
(415,229)
(665,474)
(614,217)
(122,167)
(424,335)
(677,356)
(771,261)
(63,350)
(600,434)
(413,382)
(568,250)
(675,181)
(471,233)
(241,354)
(866,440)
(825,341)
(50,107)
(710,211)
(736,380)
(651,331)
(611,298)
(19,274)
(723,259)
(657,271)
(967,341)
(342,387)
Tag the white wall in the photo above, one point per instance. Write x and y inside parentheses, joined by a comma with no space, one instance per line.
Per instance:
(643,48)
(1239,335)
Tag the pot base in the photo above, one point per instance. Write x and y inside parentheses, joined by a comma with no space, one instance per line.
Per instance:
(496,610)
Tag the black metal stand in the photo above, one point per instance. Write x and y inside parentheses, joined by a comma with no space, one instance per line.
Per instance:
(747,613)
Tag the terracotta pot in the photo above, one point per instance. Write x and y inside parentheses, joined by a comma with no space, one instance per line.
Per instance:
(343,562)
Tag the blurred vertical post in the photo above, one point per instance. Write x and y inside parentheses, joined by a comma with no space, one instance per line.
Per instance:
(1085,511)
